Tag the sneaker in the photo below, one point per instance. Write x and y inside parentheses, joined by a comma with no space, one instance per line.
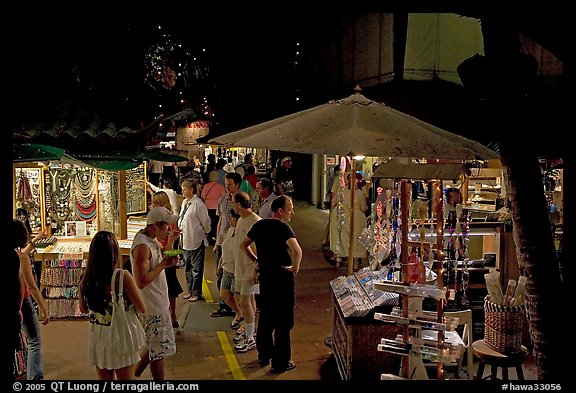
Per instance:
(291,366)
(245,346)
(239,338)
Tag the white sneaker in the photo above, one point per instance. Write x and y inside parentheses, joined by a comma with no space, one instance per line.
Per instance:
(245,346)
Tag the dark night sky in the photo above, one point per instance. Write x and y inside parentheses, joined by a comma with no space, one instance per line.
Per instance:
(249,59)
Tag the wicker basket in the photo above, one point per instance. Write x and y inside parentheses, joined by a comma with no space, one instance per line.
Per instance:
(503,327)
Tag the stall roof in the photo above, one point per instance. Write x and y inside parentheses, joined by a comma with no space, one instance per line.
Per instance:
(395,170)
(119,160)
(29,152)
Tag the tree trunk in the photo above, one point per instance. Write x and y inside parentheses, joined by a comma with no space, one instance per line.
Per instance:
(508,110)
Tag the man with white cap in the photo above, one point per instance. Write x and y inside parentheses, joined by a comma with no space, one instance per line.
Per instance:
(284,179)
(148,264)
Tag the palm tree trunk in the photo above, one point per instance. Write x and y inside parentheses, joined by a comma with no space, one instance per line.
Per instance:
(508,110)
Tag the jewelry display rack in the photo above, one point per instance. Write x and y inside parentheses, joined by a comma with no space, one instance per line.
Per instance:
(408,344)
(60,276)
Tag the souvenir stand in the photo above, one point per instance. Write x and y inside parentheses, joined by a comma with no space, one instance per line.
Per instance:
(71,202)
(355,300)
(413,287)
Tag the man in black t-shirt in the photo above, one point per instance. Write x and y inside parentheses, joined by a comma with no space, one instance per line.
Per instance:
(278,261)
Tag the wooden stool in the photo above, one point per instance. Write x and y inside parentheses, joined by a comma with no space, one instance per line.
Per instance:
(496,359)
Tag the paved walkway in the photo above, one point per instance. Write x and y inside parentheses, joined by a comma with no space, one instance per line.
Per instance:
(204,344)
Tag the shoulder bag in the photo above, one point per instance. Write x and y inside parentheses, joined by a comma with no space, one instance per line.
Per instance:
(126,332)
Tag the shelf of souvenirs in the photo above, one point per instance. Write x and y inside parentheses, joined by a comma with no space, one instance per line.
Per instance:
(356,294)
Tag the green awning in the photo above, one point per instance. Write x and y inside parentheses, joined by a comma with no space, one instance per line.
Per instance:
(111,161)
(29,152)
(163,156)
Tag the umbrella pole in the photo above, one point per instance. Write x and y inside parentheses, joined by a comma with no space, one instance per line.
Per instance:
(351,237)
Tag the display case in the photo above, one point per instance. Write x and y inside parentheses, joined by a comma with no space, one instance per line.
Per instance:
(121,193)
(483,191)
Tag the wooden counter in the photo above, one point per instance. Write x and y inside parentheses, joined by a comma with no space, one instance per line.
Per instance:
(355,344)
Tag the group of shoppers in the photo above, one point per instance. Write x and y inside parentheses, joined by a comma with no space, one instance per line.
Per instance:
(215,215)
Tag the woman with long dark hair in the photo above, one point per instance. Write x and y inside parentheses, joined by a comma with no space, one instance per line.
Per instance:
(95,298)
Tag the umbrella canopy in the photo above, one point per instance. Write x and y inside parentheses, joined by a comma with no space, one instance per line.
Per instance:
(360,125)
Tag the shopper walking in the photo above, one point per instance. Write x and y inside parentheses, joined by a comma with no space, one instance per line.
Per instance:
(226,268)
(225,205)
(148,264)
(278,261)
(95,299)
(265,189)
(160,198)
(211,194)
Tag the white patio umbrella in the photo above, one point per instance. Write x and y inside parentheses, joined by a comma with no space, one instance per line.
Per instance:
(356,126)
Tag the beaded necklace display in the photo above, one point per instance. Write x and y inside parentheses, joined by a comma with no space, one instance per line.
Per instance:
(61,180)
(339,247)
(85,194)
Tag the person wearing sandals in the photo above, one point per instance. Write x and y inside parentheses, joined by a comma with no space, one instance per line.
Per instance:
(226,268)
(278,261)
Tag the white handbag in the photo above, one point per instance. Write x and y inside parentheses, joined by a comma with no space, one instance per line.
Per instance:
(126,332)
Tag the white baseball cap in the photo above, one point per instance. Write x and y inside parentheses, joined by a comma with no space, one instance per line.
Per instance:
(160,213)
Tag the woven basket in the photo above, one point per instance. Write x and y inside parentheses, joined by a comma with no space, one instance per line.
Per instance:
(503,327)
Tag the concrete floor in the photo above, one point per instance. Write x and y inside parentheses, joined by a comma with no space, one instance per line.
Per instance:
(204,344)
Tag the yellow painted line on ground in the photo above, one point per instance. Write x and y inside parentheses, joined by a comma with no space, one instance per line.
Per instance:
(206,291)
(230,356)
